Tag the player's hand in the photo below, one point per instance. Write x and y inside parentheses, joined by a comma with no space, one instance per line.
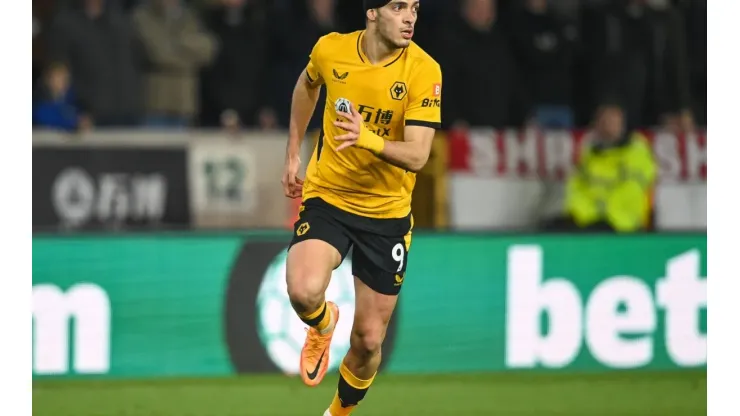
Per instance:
(292,184)
(352,126)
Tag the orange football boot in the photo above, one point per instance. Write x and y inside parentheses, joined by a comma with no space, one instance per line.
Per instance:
(315,352)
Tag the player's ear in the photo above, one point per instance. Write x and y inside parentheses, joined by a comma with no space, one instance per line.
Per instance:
(371,15)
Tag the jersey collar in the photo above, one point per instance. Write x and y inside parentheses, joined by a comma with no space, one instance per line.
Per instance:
(388,62)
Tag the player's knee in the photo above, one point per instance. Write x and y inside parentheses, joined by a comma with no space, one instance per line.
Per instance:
(303,298)
(366,342)
(304,291)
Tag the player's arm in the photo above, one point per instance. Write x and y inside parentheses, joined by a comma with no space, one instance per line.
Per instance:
(305,97)
(422,117)
(303,104)
(410,154)
(413,152)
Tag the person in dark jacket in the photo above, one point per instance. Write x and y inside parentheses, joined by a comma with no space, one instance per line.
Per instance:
(543,45)
(233,87)
(479,73)
(637,55)
(99,44)
(308,20)
(695,12)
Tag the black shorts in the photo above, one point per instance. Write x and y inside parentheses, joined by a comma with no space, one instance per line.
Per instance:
(380,246)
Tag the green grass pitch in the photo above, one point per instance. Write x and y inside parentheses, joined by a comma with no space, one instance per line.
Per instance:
(679,393)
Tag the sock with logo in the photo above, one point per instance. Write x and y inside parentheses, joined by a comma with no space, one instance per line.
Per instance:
(350,391)
(319,319)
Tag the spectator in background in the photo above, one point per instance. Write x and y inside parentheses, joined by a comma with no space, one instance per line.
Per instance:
(130,5)
(480,81)
(234,87)
(695,12)
(176,49)
(54,103)
(98,43)
(567,9)
(43,11)
(351,20)
(308,20)
(544,48)
(611,186)
(637,52)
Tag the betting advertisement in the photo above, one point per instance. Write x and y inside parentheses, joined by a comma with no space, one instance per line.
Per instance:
(190,304)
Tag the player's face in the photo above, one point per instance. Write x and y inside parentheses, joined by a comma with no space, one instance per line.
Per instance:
(396,22)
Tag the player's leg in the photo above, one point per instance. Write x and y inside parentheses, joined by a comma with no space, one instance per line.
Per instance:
(308,270)
(379,264)
(368,330)
(373,312)
(317,249)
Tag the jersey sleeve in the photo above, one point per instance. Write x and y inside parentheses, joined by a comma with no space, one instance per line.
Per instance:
(425,97)
(313,69)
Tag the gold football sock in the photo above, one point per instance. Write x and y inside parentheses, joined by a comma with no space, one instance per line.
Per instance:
(319,319)
(350,391)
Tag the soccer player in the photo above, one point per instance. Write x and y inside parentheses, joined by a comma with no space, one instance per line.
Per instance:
(382,108)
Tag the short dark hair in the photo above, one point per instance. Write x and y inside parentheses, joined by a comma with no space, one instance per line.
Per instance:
(373,4)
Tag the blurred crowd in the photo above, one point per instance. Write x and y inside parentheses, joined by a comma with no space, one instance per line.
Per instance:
(233,63)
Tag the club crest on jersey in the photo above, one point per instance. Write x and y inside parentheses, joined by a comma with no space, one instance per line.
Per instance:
(399,90)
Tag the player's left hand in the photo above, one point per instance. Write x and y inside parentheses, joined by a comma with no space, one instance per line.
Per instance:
(353,127)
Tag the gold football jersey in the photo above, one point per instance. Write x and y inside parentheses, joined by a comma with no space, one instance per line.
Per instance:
(405,90)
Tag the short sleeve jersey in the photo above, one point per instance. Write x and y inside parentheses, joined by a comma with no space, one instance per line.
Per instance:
(405,90)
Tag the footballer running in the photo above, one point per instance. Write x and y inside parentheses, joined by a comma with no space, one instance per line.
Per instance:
(383,99)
